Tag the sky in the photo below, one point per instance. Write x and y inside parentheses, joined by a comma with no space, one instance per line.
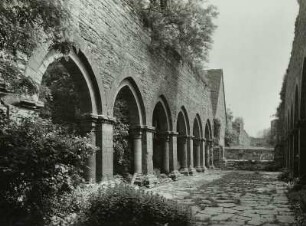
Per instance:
(252,45)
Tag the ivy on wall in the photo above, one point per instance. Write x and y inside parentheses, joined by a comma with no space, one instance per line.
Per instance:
(24,24)
(183,26)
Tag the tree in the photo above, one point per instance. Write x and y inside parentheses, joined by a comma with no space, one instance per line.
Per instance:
(24,24)
(38,161)
(184,26)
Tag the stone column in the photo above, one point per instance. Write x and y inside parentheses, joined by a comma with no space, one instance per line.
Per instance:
(166,140)
(184,162)
(137,149)
(211,154)
(147,149)
(207,155)
(105,154)
(88,126)
(197,151)
(173,151)
(203,154)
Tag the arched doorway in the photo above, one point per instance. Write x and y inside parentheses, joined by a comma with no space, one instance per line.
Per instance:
(197,152)
(69,90)
(128,110)
(161,123)
(208,145)
(182,142)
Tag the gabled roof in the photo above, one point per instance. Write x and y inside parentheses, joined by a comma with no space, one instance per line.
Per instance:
(214,78)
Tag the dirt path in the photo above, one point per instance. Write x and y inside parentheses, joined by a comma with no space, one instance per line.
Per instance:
(232,198)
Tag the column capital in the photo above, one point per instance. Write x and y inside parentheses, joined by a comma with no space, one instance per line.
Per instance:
(164,135)
(190,137)
(106,119)
(144,128)
(136,131)
(203,139)
(173,133)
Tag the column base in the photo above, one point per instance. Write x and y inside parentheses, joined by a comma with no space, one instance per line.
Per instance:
(192,171)
(199,169)
(150,180)
(204,169)
(212,167)
(137,179)
(184,171)
(174,175)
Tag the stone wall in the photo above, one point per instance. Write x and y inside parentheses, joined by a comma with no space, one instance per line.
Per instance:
(294,108)
(256,154)
(113,52)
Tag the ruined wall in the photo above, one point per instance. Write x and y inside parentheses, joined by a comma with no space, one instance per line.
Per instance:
(257,154)
(295,99)
(117,46)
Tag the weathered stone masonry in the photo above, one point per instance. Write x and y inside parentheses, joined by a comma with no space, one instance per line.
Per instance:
(294,139)
(114,58)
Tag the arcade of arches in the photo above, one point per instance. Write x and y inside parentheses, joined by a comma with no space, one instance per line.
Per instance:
(163,145)
(152,106)
(292,111)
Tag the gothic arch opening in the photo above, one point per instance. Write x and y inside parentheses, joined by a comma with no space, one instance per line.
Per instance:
(182,129)
(127,130)
(70,95)
(161,138)
(197,156)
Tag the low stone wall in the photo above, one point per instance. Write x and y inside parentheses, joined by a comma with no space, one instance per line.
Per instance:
(249,153)
(252,165)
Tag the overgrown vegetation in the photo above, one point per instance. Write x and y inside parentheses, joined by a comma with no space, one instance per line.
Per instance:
(231,134)
(123,156)
(123,205)
(183,26)
(39,161)
(296,195)
(61,98)
(24,24)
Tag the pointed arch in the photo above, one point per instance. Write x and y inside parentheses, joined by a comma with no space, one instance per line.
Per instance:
(90,85)
(208,131)
(161,117)
(130,91)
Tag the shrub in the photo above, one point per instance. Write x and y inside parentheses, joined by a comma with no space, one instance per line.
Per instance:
(38,161)
(285,176)
(124,205)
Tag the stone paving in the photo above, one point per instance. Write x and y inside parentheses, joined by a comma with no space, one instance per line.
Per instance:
(232,198)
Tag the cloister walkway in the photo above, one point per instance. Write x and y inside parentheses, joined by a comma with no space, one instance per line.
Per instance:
(232,198)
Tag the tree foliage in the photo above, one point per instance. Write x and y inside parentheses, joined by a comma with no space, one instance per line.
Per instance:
(24,24)
(184,26)
(123,156)
(61,97)
(38,160)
